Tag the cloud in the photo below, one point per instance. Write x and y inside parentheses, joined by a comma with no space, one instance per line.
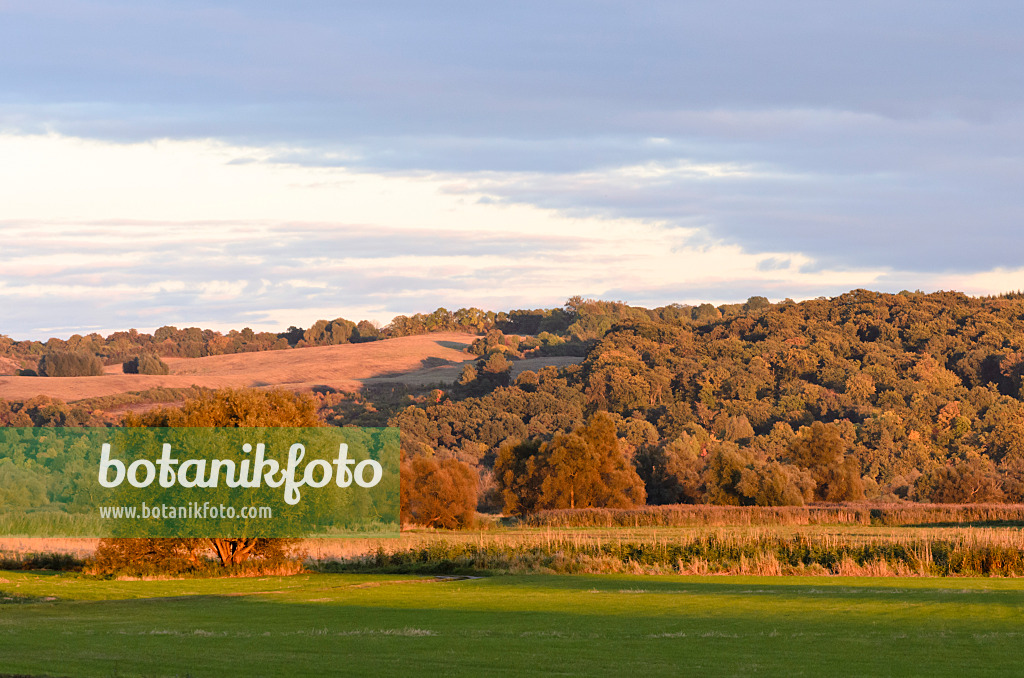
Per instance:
(867,136)
(173,232)
(176,233)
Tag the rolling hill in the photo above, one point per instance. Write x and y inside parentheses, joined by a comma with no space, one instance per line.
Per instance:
(415,360)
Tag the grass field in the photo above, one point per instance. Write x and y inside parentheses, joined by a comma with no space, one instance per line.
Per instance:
(606,619)
(315,625)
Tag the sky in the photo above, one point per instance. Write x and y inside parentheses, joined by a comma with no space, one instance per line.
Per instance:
(257,164)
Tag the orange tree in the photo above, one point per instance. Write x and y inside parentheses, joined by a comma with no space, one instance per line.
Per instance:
(235,408)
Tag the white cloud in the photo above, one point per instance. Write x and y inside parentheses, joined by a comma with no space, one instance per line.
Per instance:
(996,281)
(178,232)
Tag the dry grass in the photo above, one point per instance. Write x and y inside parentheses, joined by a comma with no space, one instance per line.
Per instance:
(854,513)
(844,550)
(736,551)
(80,548)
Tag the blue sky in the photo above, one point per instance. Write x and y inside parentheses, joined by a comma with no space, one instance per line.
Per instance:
(268,164)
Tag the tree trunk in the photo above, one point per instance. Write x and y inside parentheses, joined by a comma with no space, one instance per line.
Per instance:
(233,551)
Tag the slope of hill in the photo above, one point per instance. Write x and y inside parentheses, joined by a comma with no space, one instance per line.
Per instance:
(888,396)
(416,360)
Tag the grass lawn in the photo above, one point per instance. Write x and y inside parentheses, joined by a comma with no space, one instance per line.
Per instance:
(642,626)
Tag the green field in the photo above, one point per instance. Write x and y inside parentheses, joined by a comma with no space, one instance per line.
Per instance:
(321,624)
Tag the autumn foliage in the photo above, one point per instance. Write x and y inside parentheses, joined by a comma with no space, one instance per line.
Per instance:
(70,364)
(866,395)
(438,493)
(147,363)
(579,469)
(224,408)
(882,397)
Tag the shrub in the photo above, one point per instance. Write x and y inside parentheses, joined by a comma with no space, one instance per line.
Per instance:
(60,562)
(147,363)
(439,494)
(161,557)
(138,556)
(66,364)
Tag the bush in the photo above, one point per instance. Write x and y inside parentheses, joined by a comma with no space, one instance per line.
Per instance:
(60,562)
(147,363)
(439,494)
(138,556)
(66,364)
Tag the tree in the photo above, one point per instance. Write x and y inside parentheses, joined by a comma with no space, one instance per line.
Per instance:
(236,408)
(821,450)
(68,364)
(672,472)
(723,475)
(775,484)
(580,469)
(736,477)
(970,481)
(439,494)
(495,368)
(528,381)
(756,304)
(147,363)
(490,372)
(365,331)
(292,335)
(706,313)
(518,475)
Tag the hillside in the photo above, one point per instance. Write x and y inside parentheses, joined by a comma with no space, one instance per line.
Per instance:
(872,395)
(865,395)
(414,360)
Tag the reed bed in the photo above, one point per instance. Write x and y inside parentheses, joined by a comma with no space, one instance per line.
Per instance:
(946,552)
(21,546)
(688,515)
(897,540)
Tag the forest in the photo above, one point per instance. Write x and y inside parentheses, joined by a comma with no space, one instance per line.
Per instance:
(864,396)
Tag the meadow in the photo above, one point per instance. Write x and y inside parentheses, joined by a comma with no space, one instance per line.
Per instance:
(525,600)
(324,624)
